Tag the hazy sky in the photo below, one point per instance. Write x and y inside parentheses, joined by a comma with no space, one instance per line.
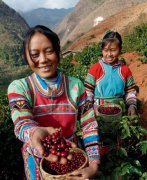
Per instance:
(25,5)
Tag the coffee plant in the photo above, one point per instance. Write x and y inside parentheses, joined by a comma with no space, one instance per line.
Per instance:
(126,158)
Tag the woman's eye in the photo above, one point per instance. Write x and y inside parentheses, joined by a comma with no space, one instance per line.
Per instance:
(34,56)
(113,49)
(49,51)
(105,50)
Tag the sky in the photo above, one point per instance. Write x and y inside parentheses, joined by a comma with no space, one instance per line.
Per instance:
(26,5)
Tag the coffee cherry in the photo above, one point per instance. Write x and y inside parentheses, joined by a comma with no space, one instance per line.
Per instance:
(56,144)
(109,110)
(64,154)
(65,165)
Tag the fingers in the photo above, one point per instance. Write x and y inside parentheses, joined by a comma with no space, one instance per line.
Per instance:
(52,158)
(75,173)
(63,160)
(73,145)
(51,130)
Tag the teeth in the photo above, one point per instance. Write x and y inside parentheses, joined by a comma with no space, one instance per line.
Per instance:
(45,68)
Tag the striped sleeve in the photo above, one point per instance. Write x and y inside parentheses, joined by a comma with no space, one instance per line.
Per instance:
(19,98)
(89,127)
(90,82)
(94,74)
(130,91)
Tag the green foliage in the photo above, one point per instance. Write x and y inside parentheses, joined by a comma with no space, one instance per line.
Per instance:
(127,155)
(11,163)
(11,55)
(136,41)
(9,73)
(66,66)
(89,55)
(84,59)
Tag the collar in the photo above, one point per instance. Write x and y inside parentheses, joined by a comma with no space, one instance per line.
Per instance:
(117,63)
(44,89)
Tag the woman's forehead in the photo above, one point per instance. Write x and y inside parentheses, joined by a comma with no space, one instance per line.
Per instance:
(39,39)
(110,44)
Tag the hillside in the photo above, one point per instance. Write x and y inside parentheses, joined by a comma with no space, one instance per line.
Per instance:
(12,25)
(47,17)
(12,30)
(123,22)
(85,14)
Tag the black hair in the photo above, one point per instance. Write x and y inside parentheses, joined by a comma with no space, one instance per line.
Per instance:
(111,36)
(52,36)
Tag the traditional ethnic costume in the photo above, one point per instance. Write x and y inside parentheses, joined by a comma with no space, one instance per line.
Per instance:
(110,84)
(34,104)
(105,83)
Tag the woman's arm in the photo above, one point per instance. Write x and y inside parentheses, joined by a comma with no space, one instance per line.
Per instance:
(89,127)
(19,97)
(89,84)
(130,93)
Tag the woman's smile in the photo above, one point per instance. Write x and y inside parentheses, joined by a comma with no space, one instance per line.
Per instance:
(42,58)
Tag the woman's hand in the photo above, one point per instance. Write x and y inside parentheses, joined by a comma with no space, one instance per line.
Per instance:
(39,134)
(63,160)
(131,111)
(85,173)
(36,141)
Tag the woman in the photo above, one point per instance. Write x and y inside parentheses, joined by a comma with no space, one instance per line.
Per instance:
(48,100)
(110,80)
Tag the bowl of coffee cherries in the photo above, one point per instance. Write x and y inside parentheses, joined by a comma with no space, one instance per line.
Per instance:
(109,112)
(65,159)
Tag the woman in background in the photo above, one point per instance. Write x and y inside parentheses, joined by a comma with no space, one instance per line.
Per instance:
(110,80)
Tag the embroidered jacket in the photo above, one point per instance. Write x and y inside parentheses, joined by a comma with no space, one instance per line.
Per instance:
(104,80)
(33,104)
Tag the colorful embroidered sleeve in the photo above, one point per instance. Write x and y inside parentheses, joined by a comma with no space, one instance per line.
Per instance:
(90,82)
(130,91)
(20,105)
(88,123)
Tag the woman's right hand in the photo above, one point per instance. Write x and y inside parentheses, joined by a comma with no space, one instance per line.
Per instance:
(39,134)
(36,141)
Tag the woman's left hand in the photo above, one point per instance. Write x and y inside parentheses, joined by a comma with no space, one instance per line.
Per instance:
(85,173)
(131,111)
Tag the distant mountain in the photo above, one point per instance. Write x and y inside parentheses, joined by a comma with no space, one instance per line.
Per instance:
(89,13)
(43,16)
(124,22)
(12,30)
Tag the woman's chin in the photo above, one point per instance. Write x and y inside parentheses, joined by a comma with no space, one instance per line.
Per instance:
(46,75)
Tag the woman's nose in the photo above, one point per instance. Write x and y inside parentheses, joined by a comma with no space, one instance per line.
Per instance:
(109,53)
(43,58)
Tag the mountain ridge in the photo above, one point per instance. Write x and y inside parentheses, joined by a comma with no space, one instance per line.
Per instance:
(44,16)
(123,22)
(81,19)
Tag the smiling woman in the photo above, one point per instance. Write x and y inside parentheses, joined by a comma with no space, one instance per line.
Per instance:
(41,56)
(47,101)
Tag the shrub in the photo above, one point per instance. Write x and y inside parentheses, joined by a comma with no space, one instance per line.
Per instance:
(11,165)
